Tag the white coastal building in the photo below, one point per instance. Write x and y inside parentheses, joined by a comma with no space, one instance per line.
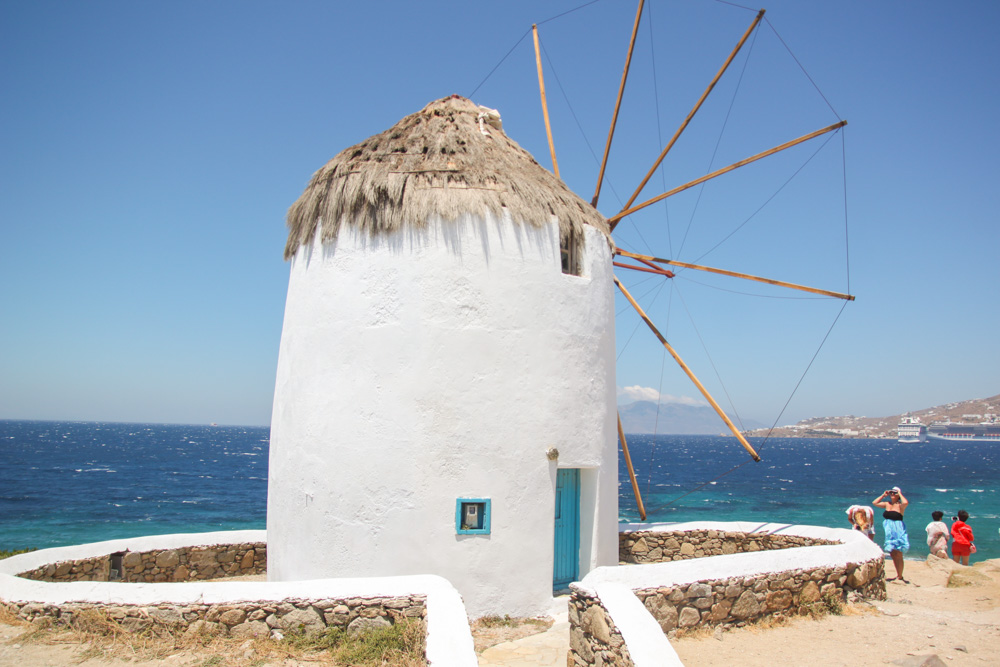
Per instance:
(445,393)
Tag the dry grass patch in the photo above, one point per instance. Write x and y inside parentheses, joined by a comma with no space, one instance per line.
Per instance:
(144,639)
(697,632)
(9,617)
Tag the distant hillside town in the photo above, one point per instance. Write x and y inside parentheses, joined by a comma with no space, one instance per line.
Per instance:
(971,412)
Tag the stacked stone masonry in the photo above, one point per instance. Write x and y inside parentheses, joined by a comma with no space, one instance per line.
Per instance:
(736,601)
(654,547)
(593,637)
(159,566)
(241,619)
(247,619)
(726,602)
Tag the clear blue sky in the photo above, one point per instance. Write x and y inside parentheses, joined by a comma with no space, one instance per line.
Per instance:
(148,153)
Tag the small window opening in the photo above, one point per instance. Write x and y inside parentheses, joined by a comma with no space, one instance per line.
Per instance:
(570,250)
(115,570)
(472,516)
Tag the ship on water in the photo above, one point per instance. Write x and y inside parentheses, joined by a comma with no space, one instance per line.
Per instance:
(985,431)
(910,430)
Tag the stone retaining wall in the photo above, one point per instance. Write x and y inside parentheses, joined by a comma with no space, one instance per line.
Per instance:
(657,547)
(246,619)
(594,639)
(60,583)
(736,601)
(196,563)
(737,582)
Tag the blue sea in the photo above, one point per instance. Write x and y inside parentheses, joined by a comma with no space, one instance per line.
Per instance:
(65,483)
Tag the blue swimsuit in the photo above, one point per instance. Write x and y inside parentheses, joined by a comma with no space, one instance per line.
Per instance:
(895,532)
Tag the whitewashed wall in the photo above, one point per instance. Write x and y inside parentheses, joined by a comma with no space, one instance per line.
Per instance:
(434,364)
(449,639)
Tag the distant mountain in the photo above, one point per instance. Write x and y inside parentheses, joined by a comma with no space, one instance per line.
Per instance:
(642,417)
(971,411)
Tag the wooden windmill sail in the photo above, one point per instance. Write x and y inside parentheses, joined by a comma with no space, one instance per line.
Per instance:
(655,265)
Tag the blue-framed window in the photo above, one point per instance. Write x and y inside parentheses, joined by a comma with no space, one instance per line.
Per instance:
(472,516)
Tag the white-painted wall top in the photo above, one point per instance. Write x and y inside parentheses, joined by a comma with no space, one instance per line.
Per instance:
(449,640)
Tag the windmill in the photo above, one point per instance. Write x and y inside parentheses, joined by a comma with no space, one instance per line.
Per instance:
(631,261)
(445,393)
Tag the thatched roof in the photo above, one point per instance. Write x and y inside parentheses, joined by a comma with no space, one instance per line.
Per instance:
(448,159)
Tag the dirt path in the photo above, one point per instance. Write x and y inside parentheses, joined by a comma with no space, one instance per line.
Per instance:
(960,625)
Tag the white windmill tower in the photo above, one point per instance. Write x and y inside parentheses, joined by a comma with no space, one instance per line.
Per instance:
(445,394)
(445,399)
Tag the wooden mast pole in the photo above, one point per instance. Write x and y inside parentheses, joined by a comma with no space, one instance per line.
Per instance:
(693,111)
(618,104)
(613,221)
(724,272)
(631,471)
(689,373)
(545,106)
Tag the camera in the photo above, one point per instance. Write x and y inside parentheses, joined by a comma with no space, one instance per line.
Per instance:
(954,518)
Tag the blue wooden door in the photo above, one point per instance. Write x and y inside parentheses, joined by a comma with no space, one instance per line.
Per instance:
(566,563)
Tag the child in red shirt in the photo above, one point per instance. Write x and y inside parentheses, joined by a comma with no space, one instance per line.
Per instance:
(961,545)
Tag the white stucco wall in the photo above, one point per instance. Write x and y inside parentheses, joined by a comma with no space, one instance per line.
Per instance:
(851,547)
(435,364)
(449,639)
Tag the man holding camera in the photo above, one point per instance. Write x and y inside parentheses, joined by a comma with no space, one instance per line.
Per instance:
(893,504)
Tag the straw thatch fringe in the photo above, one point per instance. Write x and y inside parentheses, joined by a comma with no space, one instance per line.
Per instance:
(436,162)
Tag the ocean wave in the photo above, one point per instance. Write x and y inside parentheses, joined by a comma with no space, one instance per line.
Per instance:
(943,490)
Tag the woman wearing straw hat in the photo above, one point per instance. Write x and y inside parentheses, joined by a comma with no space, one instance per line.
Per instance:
(894,504)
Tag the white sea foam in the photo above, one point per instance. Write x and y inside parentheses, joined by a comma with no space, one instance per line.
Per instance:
(943,490)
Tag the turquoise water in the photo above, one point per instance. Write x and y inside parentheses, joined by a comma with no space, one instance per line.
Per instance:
(67,483)
(814,480)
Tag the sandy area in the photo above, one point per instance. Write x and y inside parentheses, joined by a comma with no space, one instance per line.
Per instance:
(960,624)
